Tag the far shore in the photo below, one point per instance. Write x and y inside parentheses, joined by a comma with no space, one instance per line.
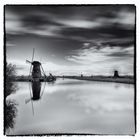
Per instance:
(122,79)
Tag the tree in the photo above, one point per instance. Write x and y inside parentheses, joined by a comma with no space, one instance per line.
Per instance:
(10,87)
(9,106)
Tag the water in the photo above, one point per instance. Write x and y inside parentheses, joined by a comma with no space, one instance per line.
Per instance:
(74,106)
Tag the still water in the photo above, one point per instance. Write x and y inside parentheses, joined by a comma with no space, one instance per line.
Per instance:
(74,106)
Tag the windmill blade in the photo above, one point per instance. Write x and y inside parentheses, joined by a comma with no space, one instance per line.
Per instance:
(27,61)
(33,54)
(43,90)
(31,99)
(30,70)
(43,70)
(32,61)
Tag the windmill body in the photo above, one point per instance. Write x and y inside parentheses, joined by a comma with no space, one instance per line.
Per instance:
(36,89)
(36,71)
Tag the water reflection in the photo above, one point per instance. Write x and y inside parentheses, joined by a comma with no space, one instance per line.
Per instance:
(74,106)
(35,91)
(36,88)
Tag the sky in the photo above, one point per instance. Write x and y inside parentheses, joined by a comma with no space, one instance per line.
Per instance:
(71,40)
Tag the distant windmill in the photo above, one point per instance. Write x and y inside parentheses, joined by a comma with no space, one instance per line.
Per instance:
(116,74)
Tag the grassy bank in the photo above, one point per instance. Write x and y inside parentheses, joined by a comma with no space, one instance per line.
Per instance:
(122,79)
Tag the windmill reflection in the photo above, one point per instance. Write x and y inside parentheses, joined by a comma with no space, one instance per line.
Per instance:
(36,89)
(36,92)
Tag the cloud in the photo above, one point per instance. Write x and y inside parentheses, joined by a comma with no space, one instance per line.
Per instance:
(126,18)
(13,23)
(123,18)
(96,55)
(125,53)
(91,39)
(105,59)
(75,23)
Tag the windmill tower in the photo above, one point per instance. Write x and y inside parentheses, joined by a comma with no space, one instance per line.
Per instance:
(36,71)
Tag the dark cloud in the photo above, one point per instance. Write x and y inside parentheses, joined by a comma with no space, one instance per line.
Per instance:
(37,21)
(75,22)
(121,43)
(112,31)
(64,10)
(120,54)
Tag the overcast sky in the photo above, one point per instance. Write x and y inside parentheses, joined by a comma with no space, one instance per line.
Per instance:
(71,40)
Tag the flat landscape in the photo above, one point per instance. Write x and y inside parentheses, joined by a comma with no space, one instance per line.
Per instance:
(123,79)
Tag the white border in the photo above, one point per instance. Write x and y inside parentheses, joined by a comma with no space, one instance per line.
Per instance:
(136,2)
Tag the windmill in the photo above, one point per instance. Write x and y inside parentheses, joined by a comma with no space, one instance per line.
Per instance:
(35,77)
(35,69)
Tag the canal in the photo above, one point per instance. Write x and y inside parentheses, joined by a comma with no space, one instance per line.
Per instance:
(73,106)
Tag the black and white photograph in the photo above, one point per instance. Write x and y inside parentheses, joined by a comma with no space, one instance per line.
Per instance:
(69,69)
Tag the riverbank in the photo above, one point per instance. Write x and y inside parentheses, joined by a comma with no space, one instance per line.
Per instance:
(123,79)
